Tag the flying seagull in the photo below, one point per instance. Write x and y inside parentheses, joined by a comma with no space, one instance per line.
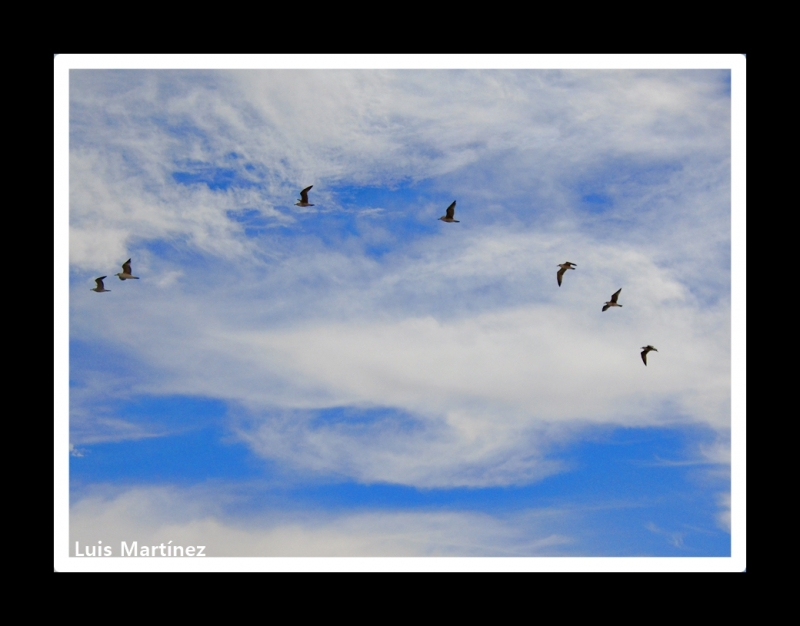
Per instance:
(613,301)
(564,267)
(645,350)
(126,271)
(100,286)
(451,211)
(304,197)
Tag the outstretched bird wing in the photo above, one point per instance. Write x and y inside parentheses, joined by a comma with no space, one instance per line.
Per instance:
(606,307)
(126,267)
(560,274)
(304,194)
(451,210)
(615,295)
(644,356)
(99,282)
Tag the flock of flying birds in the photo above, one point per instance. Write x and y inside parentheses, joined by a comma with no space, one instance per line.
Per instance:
(449,216)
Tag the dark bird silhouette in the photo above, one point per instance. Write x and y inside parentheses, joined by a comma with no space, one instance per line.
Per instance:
(564,267)
(451,211)
(645,350)
(100,286)
(304,197)
(613,301)
(125,274)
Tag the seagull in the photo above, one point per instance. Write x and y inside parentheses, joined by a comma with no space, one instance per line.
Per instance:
(304,197)
(451,210)
(613,301)
(564,267)
(126,271)
(100,286)
(645,350)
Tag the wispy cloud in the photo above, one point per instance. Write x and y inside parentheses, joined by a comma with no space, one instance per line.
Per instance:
(724,515)
(157,515)
(507,372)
(675,538)
(132,131)
(501,362)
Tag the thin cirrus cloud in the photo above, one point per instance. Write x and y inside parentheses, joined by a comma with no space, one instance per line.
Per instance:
(157,130)
(363,340)
(478,368)
(191,518)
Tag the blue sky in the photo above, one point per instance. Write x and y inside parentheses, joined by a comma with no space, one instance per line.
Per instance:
(358,378)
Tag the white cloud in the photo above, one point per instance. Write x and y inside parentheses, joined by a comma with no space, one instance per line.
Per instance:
(112,210)
(168,278)
(724,515)
(674,538)
(156,515)
(488,385)
(531,133)
(428,123)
